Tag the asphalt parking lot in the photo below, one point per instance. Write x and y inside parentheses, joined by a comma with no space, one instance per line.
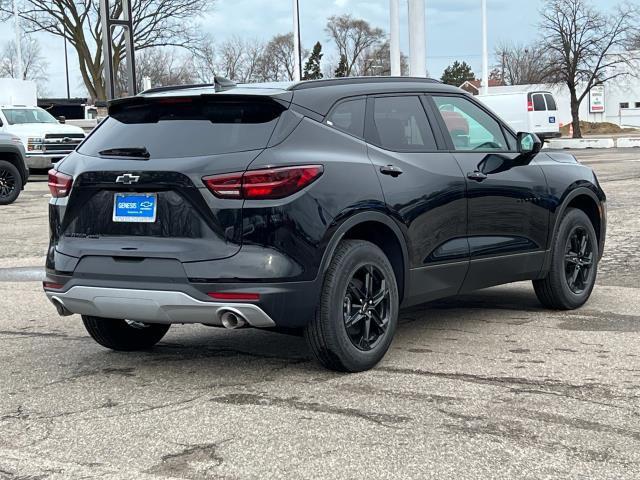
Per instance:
(487,385)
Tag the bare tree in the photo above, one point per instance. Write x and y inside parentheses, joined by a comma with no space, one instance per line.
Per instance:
(353,37)
(524,64)
(164,66)
(587,47)
(33,63)
(278,59)
(239,60)
(377,61)
(205,67)
(157,23)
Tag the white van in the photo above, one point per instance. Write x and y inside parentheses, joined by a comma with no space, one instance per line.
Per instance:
(525,111)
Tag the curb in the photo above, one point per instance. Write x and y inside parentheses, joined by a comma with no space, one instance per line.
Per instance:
(584,143)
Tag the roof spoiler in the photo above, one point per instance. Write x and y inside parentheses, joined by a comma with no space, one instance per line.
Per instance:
(219,83)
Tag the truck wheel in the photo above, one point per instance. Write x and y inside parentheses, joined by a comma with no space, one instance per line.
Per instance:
(123,335)
(574,264)
(356,320)
(10,183)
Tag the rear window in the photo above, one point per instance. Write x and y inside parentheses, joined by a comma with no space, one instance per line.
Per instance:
(538,103)
(187,127)
(551,102)
(401,125)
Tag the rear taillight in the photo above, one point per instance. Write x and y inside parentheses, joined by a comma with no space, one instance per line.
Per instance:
(267,184)
(530,106)
(59,184)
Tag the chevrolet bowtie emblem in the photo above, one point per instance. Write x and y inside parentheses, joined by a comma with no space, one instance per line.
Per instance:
(127,179)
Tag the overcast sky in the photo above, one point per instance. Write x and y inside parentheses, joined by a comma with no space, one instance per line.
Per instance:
(453,28)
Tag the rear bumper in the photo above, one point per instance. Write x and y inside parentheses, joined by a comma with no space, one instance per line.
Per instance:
(153,306)
(549,135)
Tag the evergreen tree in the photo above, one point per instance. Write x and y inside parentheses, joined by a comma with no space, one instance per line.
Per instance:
(457,74)
(312,67)
(342,69)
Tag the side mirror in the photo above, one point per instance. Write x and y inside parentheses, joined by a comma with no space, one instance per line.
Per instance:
(529,144)
(62,119)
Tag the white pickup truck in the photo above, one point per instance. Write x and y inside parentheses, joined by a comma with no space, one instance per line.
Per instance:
(46,140)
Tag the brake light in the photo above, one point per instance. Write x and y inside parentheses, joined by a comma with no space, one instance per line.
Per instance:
(266,184)
(530,106)
(59,184)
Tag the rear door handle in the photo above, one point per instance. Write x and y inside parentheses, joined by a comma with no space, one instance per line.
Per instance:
(477,176)
(391,171)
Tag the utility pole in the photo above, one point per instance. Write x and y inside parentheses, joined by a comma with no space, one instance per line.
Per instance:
(394,38)
(417,38)
(66,67)
(297,49)
(485,51)
(16,19)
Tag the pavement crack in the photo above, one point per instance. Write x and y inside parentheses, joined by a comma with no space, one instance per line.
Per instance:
(384,419)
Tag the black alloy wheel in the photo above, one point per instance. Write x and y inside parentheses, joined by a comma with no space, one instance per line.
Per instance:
(579,260)
(574,264)
(9,179)
(366,308)
(357,316)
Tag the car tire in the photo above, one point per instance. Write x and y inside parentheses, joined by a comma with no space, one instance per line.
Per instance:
(122,335)
(344,335)
(574,264)
(10,183)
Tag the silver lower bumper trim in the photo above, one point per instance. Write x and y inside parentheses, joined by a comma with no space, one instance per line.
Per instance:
(154,306)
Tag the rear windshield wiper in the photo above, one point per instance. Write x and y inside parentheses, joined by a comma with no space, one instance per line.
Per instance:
(131,152)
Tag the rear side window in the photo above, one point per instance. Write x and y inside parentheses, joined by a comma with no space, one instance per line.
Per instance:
(538,103)
(401,125)
(349,117)
(187,127)
(551,102)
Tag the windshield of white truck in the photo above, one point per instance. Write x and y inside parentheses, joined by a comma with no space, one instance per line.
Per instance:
(20,116)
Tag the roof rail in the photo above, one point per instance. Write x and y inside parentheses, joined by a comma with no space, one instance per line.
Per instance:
(220,84)
(328,82)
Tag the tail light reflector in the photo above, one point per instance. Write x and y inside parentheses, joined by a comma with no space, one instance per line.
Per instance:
(59,184)
(266,184)
(52,286)
(235,296)
(530,106)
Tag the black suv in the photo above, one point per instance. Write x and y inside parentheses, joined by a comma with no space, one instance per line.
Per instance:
(321,207)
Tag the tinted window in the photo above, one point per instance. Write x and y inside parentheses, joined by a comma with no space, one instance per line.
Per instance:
(538,103)
(401,125)
(349,117)
(551,102)
(187,127)
(470,127)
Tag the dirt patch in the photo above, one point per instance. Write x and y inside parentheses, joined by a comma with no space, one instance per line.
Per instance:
(604,128)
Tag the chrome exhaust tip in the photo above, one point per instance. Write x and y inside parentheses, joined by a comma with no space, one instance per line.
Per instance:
(62,310)
(231,320)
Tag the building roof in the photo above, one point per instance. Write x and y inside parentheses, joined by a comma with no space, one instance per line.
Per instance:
(473,86)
